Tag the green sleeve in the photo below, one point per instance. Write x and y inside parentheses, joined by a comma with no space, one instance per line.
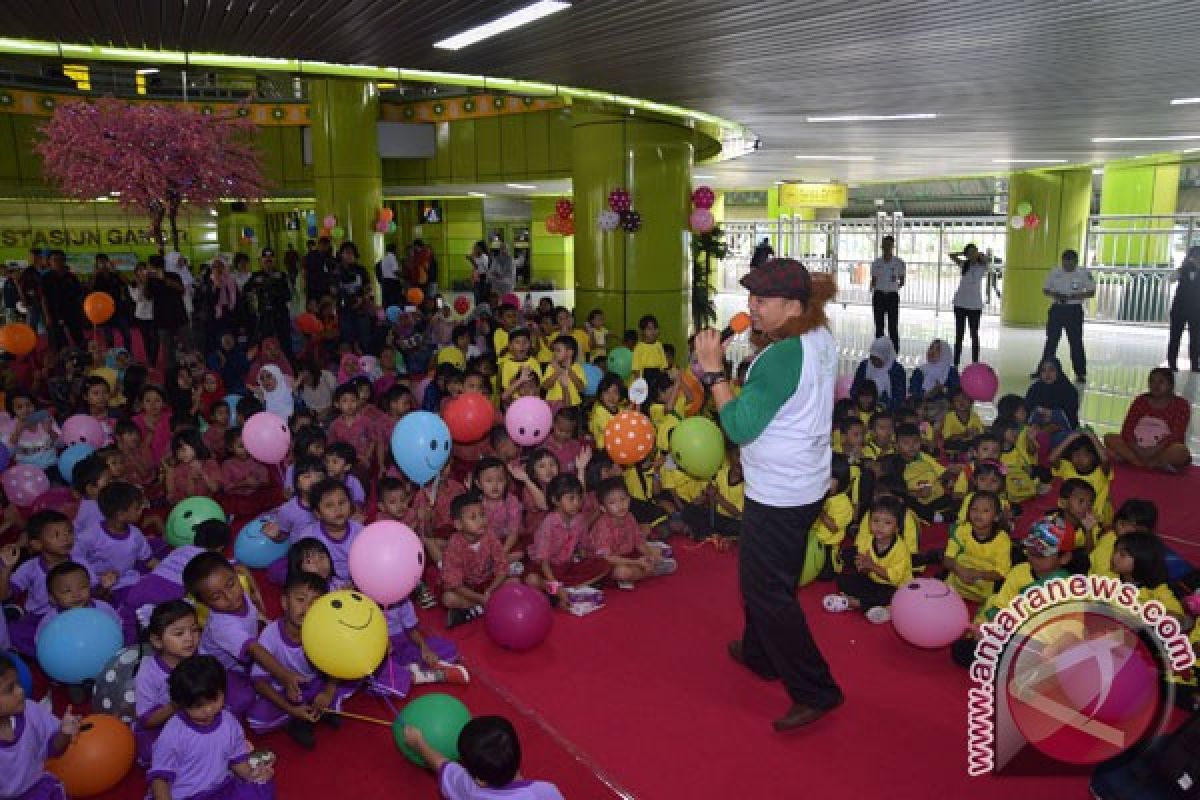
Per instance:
(773,380)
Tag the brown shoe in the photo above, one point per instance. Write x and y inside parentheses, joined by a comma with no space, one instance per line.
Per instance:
(798,716)
(735,652)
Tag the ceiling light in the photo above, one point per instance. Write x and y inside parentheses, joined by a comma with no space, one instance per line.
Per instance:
(526,186)
(147,70)
(522,16)
(476,194)
(1098,171)
(703,177)
(836,158)
(1029,161)
(385,85)
(1185,101)
(1182,138)
(870,117)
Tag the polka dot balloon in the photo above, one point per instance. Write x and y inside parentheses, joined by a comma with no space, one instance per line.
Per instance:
(619,201)
(629,437)
(631,221)
(114,694)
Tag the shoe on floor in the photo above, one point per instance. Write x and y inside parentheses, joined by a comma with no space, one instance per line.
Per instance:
(302,733)
(425,598)
(454,673)
(625,585)
(332,720)
(461,616)
(836,603)
(800,715)
(879,614)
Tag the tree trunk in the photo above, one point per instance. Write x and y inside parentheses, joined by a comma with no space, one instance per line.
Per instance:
(173,218)
(156,225)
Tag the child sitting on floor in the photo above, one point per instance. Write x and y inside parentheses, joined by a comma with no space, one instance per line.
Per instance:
(882,564)
(557,554)
(924,477)
(1081,455)
(174,634)
(116,546)
(617,538)
(194,472)
(1134,516)
(473,561)
(961,425)
(30,734)
(979,553)
(334,525)
(245,479)
(837,514)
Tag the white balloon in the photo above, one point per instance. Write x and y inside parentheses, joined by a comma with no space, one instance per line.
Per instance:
(1017,222)
(639,390)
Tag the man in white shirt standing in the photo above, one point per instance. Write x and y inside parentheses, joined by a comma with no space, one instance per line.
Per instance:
(1068,286)
(887,278)
(390,287)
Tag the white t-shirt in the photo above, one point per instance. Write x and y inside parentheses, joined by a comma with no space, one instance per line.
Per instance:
(887,275)
(390,267)
(1075,284)
(969,294)
(143,304)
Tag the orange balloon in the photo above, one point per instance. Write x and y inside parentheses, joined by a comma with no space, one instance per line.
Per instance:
(740,322)
(98,759)
(694,391)
(99,307)
(414,296)
(17,338)
(308,323)
(629,437)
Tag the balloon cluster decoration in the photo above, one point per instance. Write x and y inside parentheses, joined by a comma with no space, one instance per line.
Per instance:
(385,222)
(608,220)
(701,220)
(619,213)
(562,221)
(619,200)
(631,221)
(1025,218)
(330,227)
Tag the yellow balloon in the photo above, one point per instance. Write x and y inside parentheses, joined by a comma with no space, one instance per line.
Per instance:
(345,635)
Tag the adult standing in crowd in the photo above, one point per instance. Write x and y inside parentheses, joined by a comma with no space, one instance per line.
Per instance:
(1185,311)
(479,261)
(291,264)
(353,286)
(30,286)
(272,293)
(225,303)
(887,279)
(1067,286)
(420,267)
(106,279)
(968,298)
(763,252)
(318,270)
(391,290)
(143,312)
(62,296)
(502,273)
(170,313)
(781,421)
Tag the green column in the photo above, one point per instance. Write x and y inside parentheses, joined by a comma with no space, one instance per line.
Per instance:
(1132,187)
(347,172)
(631,274)
(1062,200)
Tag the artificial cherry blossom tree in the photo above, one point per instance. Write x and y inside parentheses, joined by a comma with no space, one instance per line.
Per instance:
(151,157)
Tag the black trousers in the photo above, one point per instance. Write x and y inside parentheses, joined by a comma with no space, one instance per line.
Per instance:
(777,642)
(1069,318)
(887,305)
(963,316)
(70,325)
(869,593)
(1180,320)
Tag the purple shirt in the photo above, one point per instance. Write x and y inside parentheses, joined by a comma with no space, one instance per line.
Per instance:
(293,516)
(194,760)
(30,578)
(54,611)
(5,641)
(171,567)
(108,552)
(457,784)
(354,486)
(339,549)
(227,637)
(22,761)
(287,651)
(401,618)
(150,687)
(88,514)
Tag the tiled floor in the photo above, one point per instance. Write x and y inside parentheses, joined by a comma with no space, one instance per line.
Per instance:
(1119,357)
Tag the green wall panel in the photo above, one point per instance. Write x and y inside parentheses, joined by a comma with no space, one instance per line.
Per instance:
(512,145)
(1142,189)
(488,159)
(560,141)
(462,150)
(537,143)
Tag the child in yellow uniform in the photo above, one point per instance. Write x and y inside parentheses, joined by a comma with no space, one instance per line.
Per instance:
(648,353)
(961,425)
(881,438)
(456,353)
(564,380)
(853,441)
(546,336)
(1081,455)
(986,476)
(518,363)
(882,564)
(609,395)
(910,531)
(1018,454)
(1139,558)
(1134,516)
(923,475)
(730,492)
(866,401)
(979,553)
(1076,499)
(837,513)
(597,334)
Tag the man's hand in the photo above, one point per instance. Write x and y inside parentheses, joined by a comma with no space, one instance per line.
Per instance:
(709,353)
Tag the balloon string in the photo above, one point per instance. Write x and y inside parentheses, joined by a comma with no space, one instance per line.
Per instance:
(362,717)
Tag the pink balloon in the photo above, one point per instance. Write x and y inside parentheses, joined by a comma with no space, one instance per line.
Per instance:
(330,222)
(83,429)
(267,437)
(841,387)
(518,617)
(979,382)
(60,498)
(703,197)
(701,220)
(512,300)
(928,613)
(529,420)
(386,561)
(24,484)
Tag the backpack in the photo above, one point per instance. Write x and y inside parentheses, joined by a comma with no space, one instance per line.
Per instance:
(1169,769)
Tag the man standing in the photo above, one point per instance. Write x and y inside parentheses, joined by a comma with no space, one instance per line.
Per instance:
(502,273)
(318,269)
(1068,286)
(1185,311)
(170,314)
(272,292)
(781,420)
(887,279)
(62,294)
(391,288)
(291,263)
(106,279)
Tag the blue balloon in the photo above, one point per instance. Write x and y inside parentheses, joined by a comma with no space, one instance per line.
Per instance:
(24,676)
(254,548)
(421,446)
(592,376)
(5,457)
(393,314)
(75,645)
(232,400)
(69,458)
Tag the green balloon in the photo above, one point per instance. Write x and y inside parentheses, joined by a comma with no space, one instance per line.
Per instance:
(440,718)
(187,513)
(698,447)
(338,232)
(1024,207)
(620,361)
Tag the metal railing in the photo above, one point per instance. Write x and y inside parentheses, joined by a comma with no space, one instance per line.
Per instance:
(1134,259)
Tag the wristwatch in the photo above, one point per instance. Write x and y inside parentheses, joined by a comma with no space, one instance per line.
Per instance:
(710,379)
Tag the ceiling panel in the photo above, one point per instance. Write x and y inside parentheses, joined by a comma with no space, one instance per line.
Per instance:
(1015,79)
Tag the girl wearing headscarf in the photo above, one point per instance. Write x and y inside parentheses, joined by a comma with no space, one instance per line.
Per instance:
(882,369)
(1053,405)
(276,392)
(937,375)
(229,359)
(269,352)
(212,390)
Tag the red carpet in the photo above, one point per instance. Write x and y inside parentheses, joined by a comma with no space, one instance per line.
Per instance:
(641,699)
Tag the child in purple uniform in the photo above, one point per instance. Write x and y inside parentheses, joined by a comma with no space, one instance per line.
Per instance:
(88,478)
(491,760)
(340,458)
(414,657)
(231,634)
(334,527)
(271,710)
(29,734)
(202,753)
(174,634)
(69,586)
(116,545)
(296,514)
(165,581)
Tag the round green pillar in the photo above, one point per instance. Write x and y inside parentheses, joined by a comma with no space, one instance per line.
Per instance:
(631,274)
(347,172)
(1062,200)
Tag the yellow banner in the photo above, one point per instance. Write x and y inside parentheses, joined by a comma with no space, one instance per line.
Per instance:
(813,195)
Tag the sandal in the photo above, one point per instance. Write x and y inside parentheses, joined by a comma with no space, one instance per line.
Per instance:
(836,603)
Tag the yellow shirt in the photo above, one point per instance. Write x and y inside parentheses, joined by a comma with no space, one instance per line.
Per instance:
(1163,594)
(994,555)
(500,342)
(1005,506)
(600,418)
(955,428)
(1099,478)
(202,610)
(600,335)
(639,483)
(585,343)
(732,493)
(874,451)
(1019,578)
(664,423)
(688,488)
(1101,555)
(896,561)
(452,355)
(840,510)
(545,353)
(555,393)
(649,356)
(910,535)
(924,469)
(1019,482)
(509,369)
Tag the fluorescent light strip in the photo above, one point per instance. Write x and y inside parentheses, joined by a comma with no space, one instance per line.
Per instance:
(1029,161)
(476,194)
(1185,101)
(147,71)
(516,19)
(703,177)
(1181,138)
(526,186)
(870,117)
(836,158)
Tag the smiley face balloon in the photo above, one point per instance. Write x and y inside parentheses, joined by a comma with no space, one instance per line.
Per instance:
(345,635)
(421,446)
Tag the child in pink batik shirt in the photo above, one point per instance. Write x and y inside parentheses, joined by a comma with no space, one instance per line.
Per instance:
(558,558)
(246,480)
(490,478)
(218,424)
(194,471)
(617,538)
(354,427)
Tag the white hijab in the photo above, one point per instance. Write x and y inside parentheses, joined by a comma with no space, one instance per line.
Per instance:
(935,373)
(279,401)
(882,349)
